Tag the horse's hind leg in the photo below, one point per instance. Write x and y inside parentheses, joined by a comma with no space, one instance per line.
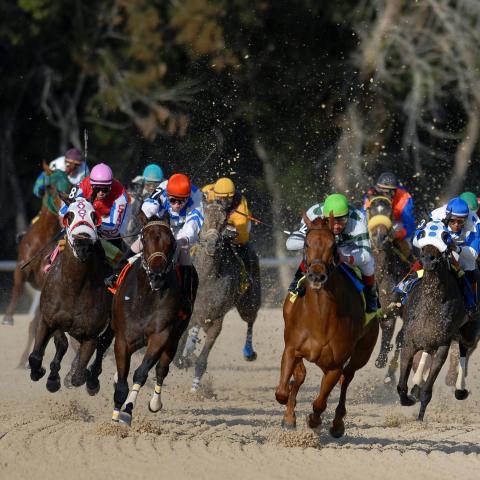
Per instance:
(42,336)
(406,362)
(75,346)
(156,343)
(358,360)
(18,284)
(201,365)
(289,419)
(329,381)
(85,353)
(32,328)
(393,366)
(451,375)
(388,327)
(95,369)
(122,360)
(426,391)
(61,345)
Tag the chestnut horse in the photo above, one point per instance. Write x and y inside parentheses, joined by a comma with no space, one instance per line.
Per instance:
(326,326)
(39,235)
(75,300)
(147,311)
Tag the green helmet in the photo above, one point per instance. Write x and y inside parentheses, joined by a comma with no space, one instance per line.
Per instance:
(471,200)
(337,204)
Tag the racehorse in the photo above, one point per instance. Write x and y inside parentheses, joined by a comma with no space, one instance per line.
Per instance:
(324,329)
(74,300)
(147,311)
(39,235)
(434,315)
(219,291)
(391,266)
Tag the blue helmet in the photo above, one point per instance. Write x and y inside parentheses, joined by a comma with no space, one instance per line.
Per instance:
(457,207)
(152,173)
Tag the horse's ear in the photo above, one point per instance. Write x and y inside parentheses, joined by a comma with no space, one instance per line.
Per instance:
(166,216)
(142,217)
(307,221)
(46,168)
(65,198)
(330,221)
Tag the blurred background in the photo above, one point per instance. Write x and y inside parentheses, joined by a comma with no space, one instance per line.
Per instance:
(296,99)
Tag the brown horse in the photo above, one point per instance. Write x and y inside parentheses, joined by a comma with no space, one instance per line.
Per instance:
(74,300)
(324,328)
(39,235)
(147,311)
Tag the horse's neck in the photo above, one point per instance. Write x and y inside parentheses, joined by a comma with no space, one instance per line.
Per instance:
(207,264)
(93,265)
(437,283)
(386,261)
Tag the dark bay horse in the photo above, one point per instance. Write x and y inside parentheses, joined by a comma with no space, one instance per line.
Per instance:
(147,311)
(324,329)
(434,315)
(38,236)
(391,266)
(219,291)
(74,300)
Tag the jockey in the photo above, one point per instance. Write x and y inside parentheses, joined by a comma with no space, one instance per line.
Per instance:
(183,202)
(463,227)
(351,233)
(111,202)
(239,225)
(71,163)
(402,209)
(148,181)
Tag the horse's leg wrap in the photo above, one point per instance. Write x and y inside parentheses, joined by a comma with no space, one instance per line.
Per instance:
(248,351)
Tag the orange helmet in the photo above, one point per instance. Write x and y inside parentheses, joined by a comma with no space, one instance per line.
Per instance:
(179,186)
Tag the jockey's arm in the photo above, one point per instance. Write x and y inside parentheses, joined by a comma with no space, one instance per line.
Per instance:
(296,240)
(115,223)
(239,219)
(408,221)
(191,227)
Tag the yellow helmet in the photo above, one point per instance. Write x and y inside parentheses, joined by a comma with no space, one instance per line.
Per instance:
(224,187)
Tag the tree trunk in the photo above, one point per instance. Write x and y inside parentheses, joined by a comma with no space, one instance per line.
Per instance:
(284,272)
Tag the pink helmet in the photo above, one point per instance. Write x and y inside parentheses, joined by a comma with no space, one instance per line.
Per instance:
(101,174)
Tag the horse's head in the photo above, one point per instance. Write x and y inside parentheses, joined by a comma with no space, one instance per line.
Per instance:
(379,212)
(81,222)
(320,255)
(434,241)
(215,221)
(159,248)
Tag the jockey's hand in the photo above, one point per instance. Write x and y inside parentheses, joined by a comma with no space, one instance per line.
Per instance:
(230,233)
(348,259)
(453,247)
(183,242)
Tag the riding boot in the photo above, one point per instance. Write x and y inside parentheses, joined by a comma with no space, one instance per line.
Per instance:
(371,298)
(468,293)
(296,287)
(187,289)
(112,279)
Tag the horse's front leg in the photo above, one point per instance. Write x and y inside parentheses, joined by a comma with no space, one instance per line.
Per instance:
(286,370)
(406,362)
(156,343)
(299,373)
(388,327)
(42,336)
(201,365)
(122,360)
(85,353)
(329,381)
(95,369)
(32,328)
(61,346)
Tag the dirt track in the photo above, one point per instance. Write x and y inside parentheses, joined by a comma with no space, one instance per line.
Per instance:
(234,430)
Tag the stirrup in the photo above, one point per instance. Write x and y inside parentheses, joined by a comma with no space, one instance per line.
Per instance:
(111,280)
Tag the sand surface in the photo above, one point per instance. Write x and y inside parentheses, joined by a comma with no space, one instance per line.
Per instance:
(232,430)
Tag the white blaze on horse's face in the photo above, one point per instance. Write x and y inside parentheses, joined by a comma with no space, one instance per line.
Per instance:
(81,220)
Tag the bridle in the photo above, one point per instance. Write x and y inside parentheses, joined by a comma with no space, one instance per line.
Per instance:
(169,262)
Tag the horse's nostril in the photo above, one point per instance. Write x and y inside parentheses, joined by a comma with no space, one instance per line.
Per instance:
(323,278)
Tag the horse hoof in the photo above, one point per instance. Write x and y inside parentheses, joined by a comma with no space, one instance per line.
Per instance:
(36,375)
(381,362)
(154,408)
(415,392)
(125,418)
(250,358)
(67,381)
(281,398)
(312,422)
(7,320)
(93,388)
(79,380)
(53,384)
(407,401)
(289,426)
(337,433)
(461,394)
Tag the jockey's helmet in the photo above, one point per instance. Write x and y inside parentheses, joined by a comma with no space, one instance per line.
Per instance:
(101,174)
(224,187)
(457,207)
(471,199)
(73,155)
(337,204)
(387,181)
(179,186)
(152,173)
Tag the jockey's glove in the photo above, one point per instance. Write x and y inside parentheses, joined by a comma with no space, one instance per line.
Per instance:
(183,242)
(230,233)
